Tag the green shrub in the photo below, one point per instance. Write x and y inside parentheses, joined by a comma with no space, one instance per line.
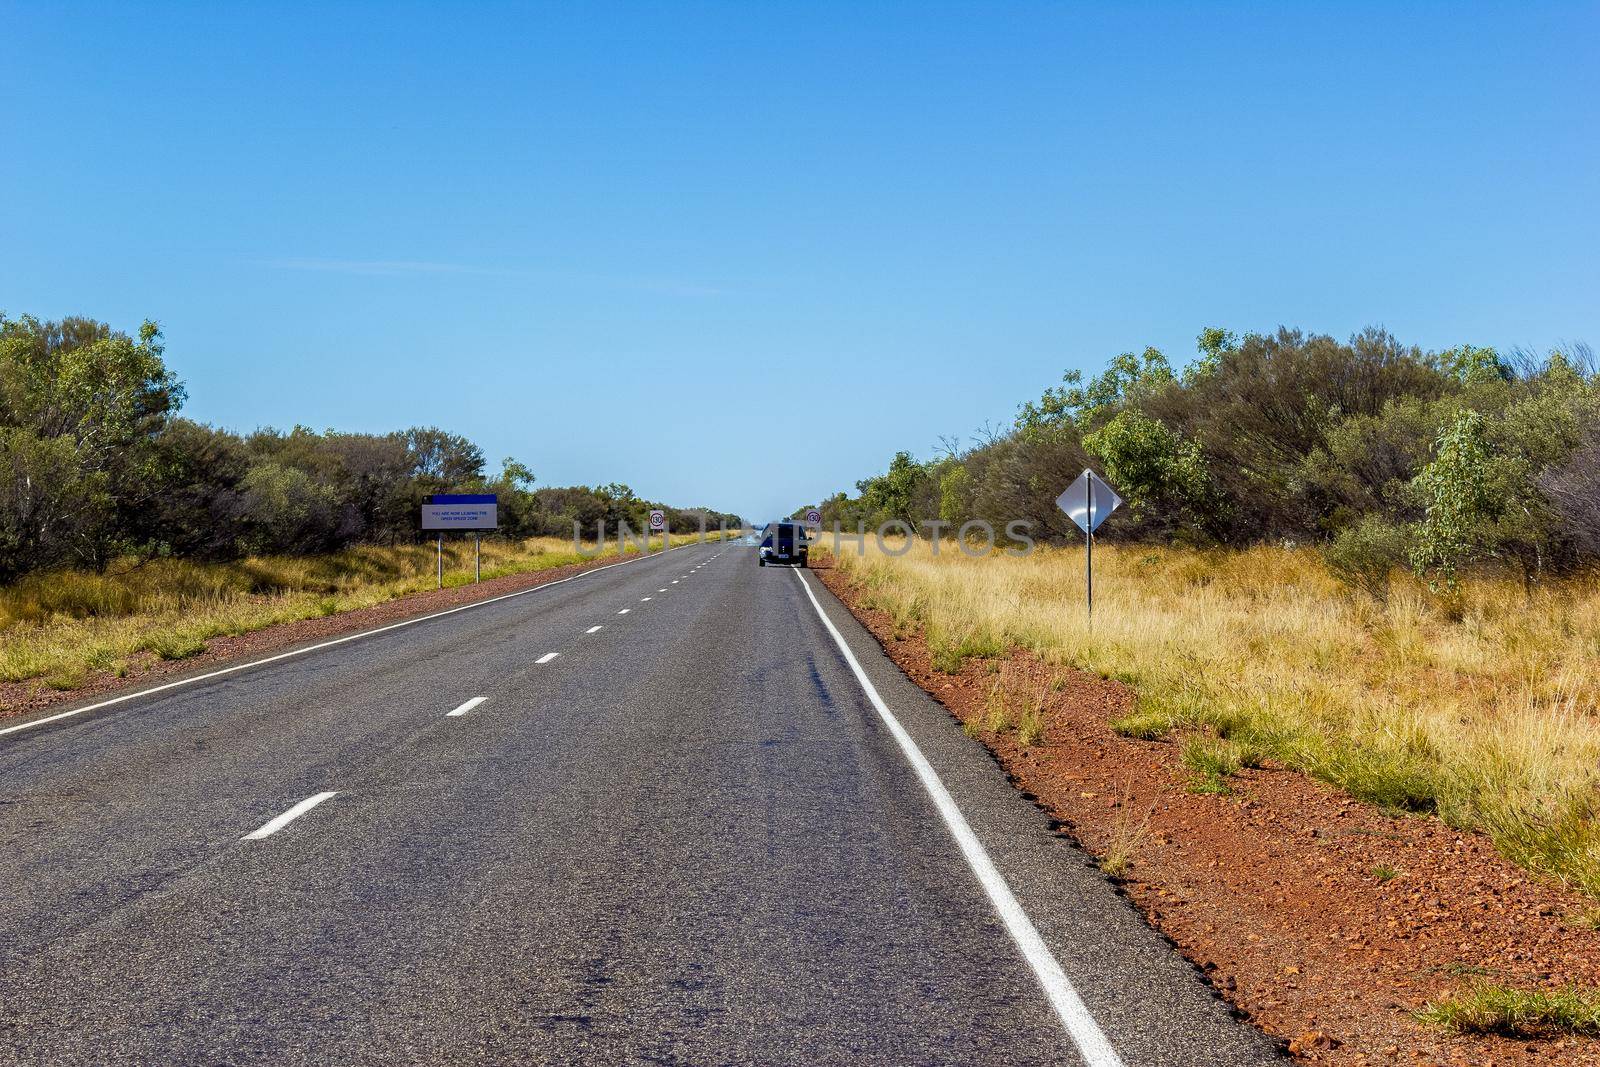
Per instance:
(1365,555)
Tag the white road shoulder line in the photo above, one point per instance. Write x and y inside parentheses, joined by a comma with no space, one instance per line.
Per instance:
(547,657)
(288,817)
(124,698)
(1080,1025)
(463,709)
(591,629)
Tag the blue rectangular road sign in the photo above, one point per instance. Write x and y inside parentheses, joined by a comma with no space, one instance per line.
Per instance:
(464,498)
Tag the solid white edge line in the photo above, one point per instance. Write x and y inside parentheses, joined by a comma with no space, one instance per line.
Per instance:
(591,629)
(325,644)
(547,657)
(288,817)
(1085,1032)
(468,706)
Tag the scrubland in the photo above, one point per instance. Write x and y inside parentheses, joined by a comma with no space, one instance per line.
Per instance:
(59,627)
(1477,705)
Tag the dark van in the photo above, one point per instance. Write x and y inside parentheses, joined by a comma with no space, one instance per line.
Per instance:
(784,542)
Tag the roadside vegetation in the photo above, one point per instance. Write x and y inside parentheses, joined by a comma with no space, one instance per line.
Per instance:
(1479,707)
(97,469)
(1364,561)
(1380,455)
(63,626)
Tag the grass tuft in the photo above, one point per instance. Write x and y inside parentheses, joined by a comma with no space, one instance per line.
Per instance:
(947,659)
(1127,837)
(175,645)
(997,711)
(1213,761)
(1030,729)
(1519,1013)
(1210,785)
(1144,725)
(67,679)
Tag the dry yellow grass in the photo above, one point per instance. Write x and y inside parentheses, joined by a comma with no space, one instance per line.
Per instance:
(1483,711)
(63,626)
(1128,834)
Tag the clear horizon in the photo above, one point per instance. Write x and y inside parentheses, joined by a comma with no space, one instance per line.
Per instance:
(628,243)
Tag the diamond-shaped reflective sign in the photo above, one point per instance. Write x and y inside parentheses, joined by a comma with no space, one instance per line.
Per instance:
(1076,501)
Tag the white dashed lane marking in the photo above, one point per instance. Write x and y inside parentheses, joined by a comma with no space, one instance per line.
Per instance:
(288,817)
(463,709)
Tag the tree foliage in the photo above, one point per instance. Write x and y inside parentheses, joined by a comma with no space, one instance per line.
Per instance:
(95,463)
(1457,505)
(1382,453)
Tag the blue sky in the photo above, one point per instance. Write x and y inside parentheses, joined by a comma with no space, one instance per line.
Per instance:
(633,242)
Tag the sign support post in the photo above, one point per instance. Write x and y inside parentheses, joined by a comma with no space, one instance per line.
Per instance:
(441,559)
(477,559)
(1088,554)
(1081,506)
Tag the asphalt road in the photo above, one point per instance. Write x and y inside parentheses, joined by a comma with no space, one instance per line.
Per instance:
(674,828)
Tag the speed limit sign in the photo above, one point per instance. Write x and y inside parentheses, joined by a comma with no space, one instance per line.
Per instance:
(814,519)
(658,520)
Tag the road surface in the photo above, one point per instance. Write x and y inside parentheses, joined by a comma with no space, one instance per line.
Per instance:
(670,811)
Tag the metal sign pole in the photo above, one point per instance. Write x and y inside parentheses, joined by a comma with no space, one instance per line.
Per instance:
(1079,503)
(477,564)
(441,559)
(1088,556)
